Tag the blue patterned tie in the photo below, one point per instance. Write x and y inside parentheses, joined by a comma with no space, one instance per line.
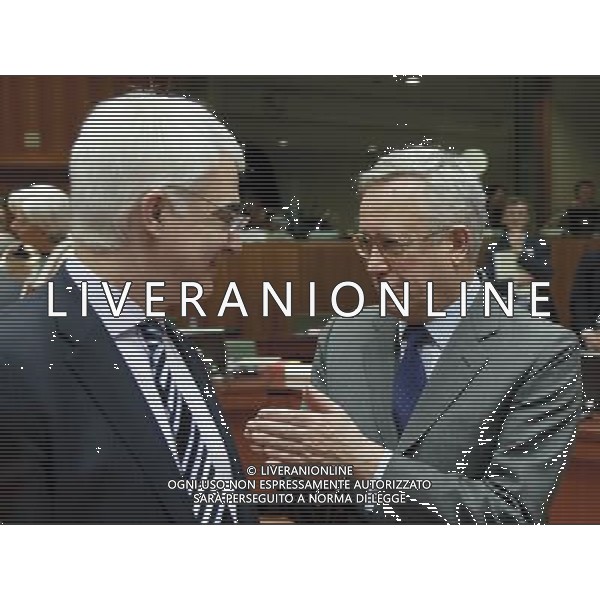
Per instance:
(193,458)
(411,378)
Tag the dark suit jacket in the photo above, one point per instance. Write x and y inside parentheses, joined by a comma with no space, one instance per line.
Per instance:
(10,288)
(492,427)
(585,293)
(78,441)
(581,220)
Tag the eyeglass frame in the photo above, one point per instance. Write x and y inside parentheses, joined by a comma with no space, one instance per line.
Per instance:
(398,250)
(236,221)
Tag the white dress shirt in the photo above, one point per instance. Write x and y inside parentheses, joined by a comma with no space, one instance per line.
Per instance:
(441,329)
(126,334)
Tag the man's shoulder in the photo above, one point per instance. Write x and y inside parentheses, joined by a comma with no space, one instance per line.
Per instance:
(9,288)
(23,322)
(590,260)
(522,323)
(523,335)
(521,328)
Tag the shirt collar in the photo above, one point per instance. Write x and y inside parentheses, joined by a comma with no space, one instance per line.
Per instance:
(442,328)
(130,316)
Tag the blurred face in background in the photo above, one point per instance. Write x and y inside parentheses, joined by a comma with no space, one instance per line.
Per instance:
(586,193)
(28,234)
(400,241)
(516,216)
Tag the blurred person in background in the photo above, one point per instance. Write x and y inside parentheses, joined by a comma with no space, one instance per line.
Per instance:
(39,219)
(10,288)
(583,215)
(520,255)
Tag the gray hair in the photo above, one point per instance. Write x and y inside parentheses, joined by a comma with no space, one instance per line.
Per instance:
(134,144)
(455,192)
(43,206)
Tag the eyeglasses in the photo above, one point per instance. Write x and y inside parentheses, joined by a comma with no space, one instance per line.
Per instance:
(389,248)
(232,215)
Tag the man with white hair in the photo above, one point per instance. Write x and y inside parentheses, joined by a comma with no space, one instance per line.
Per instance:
(469,416)
(9,286)
(103,416)
(39,218)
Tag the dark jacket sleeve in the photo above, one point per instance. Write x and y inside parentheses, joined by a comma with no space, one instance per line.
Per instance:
(585,293)
(537,261)
(25,451)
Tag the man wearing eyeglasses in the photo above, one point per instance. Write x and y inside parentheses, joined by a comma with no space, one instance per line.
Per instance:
(101,416)
(470,417)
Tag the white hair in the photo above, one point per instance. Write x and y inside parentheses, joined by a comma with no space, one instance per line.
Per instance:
(455,194)
(134,144)
(43,206)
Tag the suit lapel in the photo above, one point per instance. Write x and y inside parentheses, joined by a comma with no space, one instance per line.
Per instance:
(460,364)
(379,362)
(93,359)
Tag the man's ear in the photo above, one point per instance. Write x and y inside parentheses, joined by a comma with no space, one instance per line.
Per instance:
(151,212)
(460,238)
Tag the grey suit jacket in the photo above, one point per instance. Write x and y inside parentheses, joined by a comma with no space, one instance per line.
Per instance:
(493,426)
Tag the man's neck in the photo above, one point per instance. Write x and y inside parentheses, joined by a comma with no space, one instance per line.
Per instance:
(445,298)
(119,268)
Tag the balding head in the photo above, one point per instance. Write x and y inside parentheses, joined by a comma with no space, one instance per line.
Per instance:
(136,144)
